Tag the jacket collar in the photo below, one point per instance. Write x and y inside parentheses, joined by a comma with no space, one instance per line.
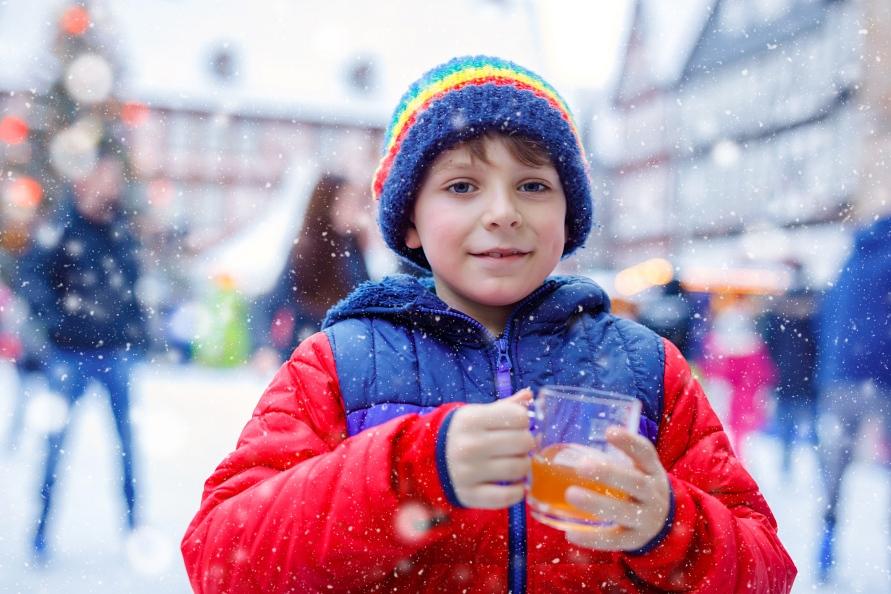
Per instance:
(410,298)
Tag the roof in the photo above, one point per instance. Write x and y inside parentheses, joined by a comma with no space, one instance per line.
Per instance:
(663,34)
(310,60)
(720,45)
(303,57)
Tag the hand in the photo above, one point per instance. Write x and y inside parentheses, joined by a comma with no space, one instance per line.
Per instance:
(638,519)
(487,451)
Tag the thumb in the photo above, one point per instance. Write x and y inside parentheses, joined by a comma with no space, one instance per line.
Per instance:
(511,412)
(522,397)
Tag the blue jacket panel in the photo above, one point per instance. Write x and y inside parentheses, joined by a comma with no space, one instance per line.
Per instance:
(855,321)
(399,348)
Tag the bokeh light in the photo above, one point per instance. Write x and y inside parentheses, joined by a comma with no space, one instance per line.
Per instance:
(23,192)
(642,276)
(75,21)
(13,130)
(413,521)
(89,78)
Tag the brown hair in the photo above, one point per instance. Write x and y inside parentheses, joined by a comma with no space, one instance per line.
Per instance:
(317,264)
(527,151)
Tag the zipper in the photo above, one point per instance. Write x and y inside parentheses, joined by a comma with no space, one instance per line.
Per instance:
(516,542)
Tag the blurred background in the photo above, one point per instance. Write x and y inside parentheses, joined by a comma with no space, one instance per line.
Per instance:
(738,148)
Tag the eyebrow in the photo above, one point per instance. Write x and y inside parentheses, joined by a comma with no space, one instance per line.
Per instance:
(452,164)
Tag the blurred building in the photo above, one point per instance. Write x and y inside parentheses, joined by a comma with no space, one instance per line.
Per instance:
(739,145)
(207,172)
(874,191)
(232,108)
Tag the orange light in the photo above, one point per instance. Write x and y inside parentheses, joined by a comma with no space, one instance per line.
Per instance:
(13,130)
(25,192)
(75,20)
(225,281)
(642,276)
(133,114)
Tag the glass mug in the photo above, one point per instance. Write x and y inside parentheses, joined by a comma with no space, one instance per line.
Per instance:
(569,427)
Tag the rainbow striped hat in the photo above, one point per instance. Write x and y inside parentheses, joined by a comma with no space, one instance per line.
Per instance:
(462,99)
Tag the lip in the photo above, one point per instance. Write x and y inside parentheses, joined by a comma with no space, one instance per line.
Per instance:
(501,253)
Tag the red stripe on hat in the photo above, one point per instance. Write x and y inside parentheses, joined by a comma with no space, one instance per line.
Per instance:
(387,162)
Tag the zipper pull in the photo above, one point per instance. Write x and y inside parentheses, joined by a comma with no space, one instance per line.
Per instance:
(503,369)
(503,358)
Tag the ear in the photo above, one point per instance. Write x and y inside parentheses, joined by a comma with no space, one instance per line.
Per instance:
(412,239)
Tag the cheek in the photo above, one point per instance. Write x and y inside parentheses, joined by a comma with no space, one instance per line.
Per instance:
(441,228)
(555,232)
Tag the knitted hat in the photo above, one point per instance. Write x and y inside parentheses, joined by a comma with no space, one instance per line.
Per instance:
(463,99)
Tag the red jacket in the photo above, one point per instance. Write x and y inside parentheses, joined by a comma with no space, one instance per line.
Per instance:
(299,507)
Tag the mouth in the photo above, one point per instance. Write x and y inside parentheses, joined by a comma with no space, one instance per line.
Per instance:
(501,253)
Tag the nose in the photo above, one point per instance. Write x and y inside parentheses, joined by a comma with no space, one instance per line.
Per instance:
(502,210)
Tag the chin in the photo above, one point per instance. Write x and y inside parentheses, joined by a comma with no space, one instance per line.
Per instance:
(502,297)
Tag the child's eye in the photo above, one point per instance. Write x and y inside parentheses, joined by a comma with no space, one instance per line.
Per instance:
(461,187)
(533,187)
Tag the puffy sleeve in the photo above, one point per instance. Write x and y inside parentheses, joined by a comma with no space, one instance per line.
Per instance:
(723,537)
(299,506)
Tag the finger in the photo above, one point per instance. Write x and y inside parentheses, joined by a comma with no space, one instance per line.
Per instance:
(514,442)
(623,512)
(518,403)
(509,413)
(509,470)
(489,496)
(627,479)
(638,448)
(522,397)
(498,415)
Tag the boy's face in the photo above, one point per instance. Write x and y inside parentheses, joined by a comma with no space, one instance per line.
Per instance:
(492,231)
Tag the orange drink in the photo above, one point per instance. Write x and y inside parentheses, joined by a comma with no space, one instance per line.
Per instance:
(554,471)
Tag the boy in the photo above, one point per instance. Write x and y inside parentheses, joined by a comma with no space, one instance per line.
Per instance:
(389,453)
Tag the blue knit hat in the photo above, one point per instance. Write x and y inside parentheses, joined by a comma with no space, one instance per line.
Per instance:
(463,99)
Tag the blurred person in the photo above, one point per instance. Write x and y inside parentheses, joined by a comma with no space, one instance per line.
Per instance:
(735,354)
(325,263)
(853,367)
(670,315)
(390,453)
(79,278)
(789,330)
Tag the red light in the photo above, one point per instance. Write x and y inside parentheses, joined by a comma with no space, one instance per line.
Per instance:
(75,21)
(133,114)
(13,130)
(25,192)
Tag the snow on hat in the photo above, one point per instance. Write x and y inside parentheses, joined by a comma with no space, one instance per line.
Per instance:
(463,99)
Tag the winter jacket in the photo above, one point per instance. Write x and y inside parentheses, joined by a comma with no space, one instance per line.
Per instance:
(855,320)
(80,280)
(338,482)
